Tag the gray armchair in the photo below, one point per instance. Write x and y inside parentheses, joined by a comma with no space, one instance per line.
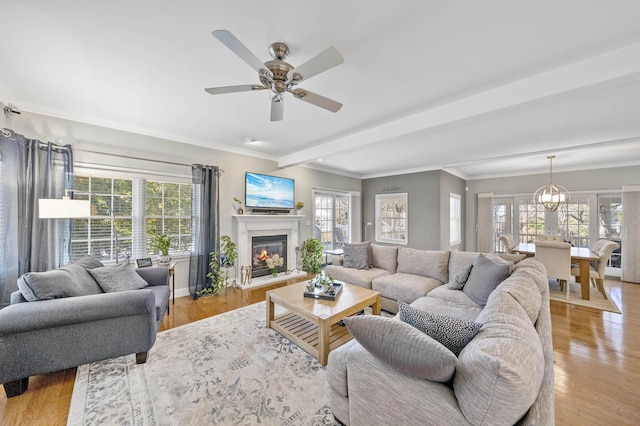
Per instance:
(57,333)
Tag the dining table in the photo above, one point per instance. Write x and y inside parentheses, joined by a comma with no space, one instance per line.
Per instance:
(580,255)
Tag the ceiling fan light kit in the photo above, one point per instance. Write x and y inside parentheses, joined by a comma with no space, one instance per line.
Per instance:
(279,76)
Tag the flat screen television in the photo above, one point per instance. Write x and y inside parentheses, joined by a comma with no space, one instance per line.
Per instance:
(269,192)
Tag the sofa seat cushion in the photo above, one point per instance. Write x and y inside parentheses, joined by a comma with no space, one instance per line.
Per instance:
(359,277)
(161,293)
(405,287)
(403,347)
(69,281)
(443,301)
(500,371)
(120,277)
(426,263)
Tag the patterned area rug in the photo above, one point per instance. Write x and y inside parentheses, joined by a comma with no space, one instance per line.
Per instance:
(224,370)
(597,301)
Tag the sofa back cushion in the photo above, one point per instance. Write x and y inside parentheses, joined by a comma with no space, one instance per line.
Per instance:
(68,281)
(426,263)
(384,257)
(500,371)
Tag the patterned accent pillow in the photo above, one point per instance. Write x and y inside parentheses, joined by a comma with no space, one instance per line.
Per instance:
(403,347)
(356,255)
(453,333)
(458,282)
(118,278)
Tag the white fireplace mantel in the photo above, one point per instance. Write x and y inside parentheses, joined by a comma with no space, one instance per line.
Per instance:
(246,227)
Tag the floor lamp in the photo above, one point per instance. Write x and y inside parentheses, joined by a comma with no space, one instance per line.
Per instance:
(68,208)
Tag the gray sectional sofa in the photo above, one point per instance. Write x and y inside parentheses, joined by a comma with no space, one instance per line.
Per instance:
(504,375)
(64,318)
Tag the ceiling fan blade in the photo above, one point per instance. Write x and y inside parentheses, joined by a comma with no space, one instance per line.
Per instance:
(314,66)
(317,100)
(233,89)
(239,49)
(277,109)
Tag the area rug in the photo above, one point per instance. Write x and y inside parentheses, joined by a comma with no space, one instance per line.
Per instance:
(597,301)
(224,370)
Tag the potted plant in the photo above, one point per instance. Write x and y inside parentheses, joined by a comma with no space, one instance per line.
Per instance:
(239,205)
(220,262)
(311,254)
(299,207)
(162,243)
(228,255)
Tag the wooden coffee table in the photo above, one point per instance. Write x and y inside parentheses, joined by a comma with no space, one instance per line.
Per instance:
(312,324)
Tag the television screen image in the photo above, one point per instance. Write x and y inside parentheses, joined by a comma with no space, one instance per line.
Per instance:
(264,191)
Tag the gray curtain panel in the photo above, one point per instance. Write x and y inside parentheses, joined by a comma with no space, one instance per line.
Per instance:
(631,234)
(484,224)
(30,170)
(205,223)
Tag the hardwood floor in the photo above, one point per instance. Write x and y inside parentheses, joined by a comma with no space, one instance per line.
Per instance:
(597,361)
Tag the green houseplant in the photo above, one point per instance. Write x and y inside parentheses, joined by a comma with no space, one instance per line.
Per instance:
(220,263)
(311,254)
(162,242)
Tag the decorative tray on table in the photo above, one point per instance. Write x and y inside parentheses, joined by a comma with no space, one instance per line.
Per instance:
(332,294)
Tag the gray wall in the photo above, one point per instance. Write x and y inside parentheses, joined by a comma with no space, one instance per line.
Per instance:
(428,210)
(586,180)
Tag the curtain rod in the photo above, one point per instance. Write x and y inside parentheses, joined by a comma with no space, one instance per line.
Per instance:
(131,157)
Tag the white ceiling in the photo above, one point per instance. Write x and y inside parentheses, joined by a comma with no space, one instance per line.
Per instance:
(478,88)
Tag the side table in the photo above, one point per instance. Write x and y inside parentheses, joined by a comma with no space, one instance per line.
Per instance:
(334,252)
(171,267)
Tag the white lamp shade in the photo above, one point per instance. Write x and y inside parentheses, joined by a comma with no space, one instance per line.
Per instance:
(54,208)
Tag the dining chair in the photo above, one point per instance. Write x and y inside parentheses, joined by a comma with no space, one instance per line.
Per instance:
(602,249)
(551,237)
(507,241)
(556,258)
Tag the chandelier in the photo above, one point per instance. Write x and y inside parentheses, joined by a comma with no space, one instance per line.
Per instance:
(551,195)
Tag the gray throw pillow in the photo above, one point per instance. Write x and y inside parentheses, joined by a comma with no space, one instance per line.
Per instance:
(69,281)
(485,276)
(356,255)
(403,347)
(458,282)
(118,278)
(453,333)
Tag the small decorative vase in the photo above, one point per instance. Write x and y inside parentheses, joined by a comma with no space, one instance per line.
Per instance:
(164,259)
(274,272)
(299,212)
(240,211)
(326,287)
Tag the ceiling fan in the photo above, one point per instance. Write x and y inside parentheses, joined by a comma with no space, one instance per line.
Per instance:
(280,77)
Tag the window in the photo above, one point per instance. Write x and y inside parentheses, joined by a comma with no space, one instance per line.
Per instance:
(391,218)
(573,221)
(502,221)
(531,221)
(610,227)
(331,218)
(124,212)
(455,219)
